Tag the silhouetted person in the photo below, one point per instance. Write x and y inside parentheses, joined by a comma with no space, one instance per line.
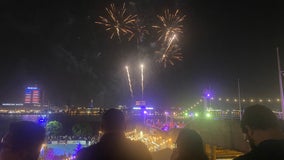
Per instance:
(282,124)
(22,142)
(263,133)
(113,144)
(189,146)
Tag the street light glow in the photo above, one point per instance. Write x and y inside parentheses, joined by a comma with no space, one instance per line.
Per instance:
(129,81)
(208,115)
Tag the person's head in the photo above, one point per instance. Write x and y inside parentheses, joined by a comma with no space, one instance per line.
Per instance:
(258,120)
(113,121)
(23,141)
(190,145)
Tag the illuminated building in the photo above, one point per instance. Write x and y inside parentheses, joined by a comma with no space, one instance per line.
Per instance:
(32,95)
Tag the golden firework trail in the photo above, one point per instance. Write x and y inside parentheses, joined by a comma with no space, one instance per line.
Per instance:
(169,44)
(129,81)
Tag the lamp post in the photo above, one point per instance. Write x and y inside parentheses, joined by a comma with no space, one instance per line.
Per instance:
(166,114)
(207,96)
(145,114)
(280,82)
(239,96)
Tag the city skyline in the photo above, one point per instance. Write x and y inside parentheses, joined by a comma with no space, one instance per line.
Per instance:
(59,46)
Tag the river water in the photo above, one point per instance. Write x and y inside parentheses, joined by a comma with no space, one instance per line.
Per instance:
(67,121)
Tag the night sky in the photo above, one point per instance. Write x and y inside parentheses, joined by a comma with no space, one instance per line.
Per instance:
(56,45)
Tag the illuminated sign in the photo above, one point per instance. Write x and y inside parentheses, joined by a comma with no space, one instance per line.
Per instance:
(35,96)
(140,103)
(28,95)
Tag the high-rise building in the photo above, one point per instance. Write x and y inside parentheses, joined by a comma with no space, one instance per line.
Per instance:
(32,95)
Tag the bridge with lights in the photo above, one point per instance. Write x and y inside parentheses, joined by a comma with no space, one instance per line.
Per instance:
(229,108)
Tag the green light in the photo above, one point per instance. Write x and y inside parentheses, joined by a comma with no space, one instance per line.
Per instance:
(208,115)
(185,114)
(196,115)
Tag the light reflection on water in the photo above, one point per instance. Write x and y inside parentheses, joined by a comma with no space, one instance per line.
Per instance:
(13,118)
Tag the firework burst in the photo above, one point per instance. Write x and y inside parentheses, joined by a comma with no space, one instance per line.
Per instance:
(170,27)
(139,30)
(169,55)
(171,24)
(118,22)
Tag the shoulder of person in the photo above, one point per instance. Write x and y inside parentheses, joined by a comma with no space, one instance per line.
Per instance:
(247,156)
(141,150)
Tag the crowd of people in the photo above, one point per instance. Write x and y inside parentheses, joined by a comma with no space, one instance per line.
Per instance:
(259,124)
(164,125)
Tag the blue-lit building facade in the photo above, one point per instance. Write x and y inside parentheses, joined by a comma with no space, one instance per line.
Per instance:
(32,96)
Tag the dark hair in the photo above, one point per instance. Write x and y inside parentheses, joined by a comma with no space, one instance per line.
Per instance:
(190,145)
(113,120)
(25,135)
(259,117)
